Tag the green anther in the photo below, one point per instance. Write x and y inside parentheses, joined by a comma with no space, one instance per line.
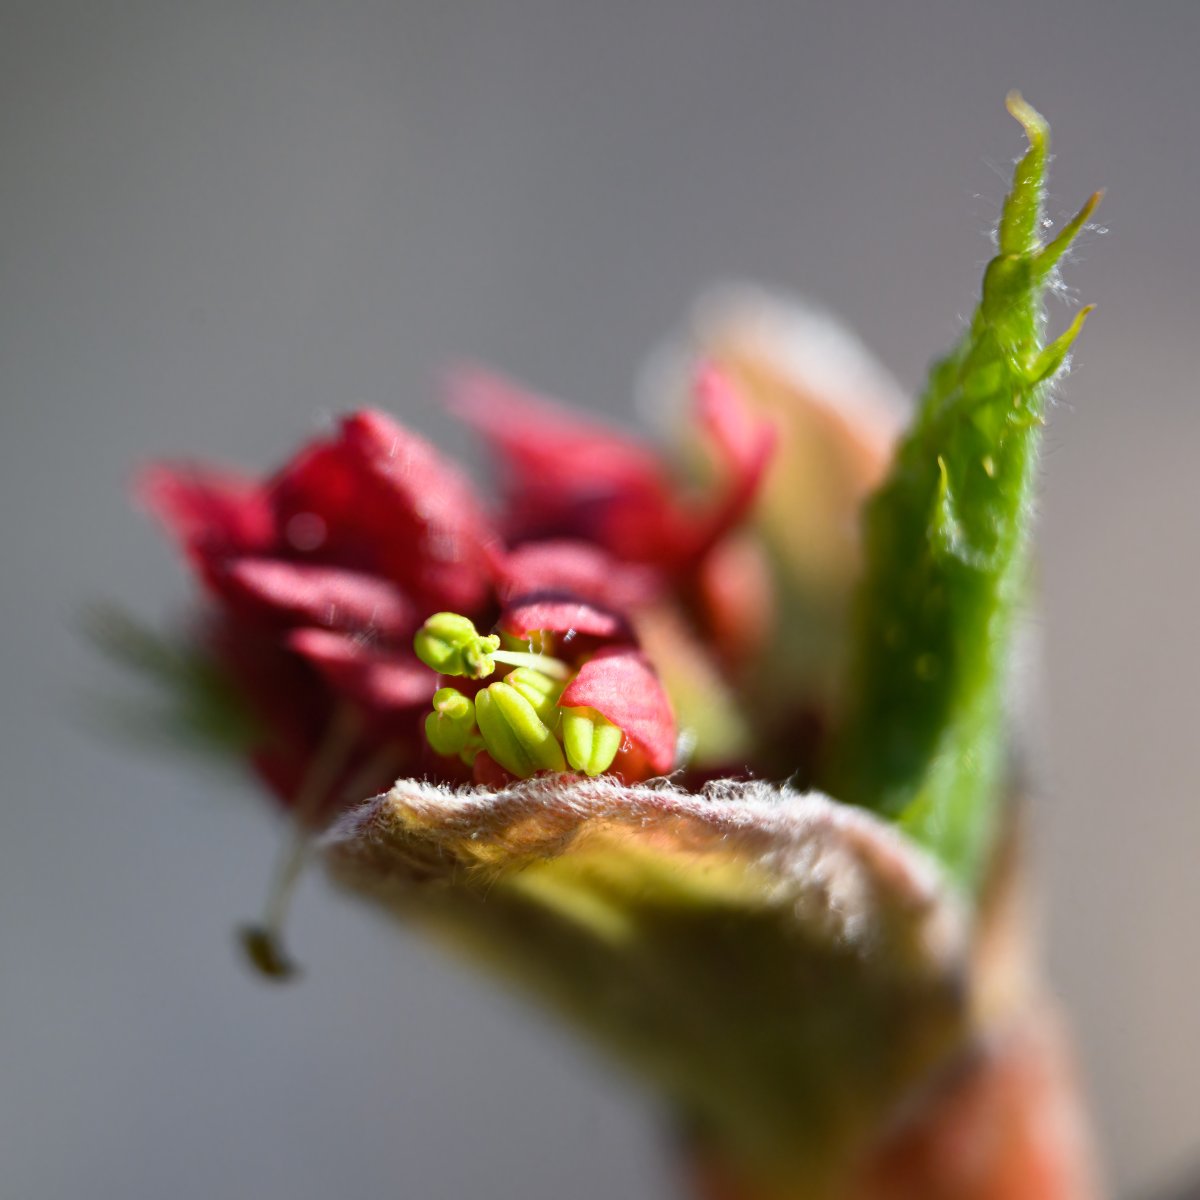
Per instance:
(452,721)
(451,645)
(515,736)
(540,690)
(591,740)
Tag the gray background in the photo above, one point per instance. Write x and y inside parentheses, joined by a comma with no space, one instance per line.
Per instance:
(219,222)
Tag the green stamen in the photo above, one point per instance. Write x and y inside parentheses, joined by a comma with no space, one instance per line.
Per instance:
(515,736)
(517,720)
(553,667)
(541,690)
(452,721)
(591,740)
(451,645)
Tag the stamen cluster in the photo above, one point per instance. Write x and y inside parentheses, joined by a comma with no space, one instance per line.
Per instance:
(520,719)
(349,588)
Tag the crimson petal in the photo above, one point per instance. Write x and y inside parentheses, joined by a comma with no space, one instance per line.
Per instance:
(566,476)
(380,682)
(212,513)
(378,498)
(746,446)
(579,568)
(314,594)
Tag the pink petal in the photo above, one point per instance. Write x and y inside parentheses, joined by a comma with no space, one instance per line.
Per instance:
(745,444)
(578,568)
(728,422)
(736,599)
(313,594)
(540,438)
(620,684)
(564,615)
(376,680)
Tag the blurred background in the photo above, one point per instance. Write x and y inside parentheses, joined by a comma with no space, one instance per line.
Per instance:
(221,222)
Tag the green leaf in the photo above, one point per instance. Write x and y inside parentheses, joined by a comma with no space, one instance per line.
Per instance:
(204,711)
(946,540)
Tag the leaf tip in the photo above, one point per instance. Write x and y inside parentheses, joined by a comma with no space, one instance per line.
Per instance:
(1050,361)
(1049,255)
(1021,219)
(1032,121)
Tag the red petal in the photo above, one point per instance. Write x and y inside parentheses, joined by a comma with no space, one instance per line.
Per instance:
(540,438)
(376,680)
(487,772)
(566,476)
(577,568)
(728,422)
(563,615)
(621,685)
(313,594)
(746,446)
(379,499)
(735,594)
(211,513)
(293,708)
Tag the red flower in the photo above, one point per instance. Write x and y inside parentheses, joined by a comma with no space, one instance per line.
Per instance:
(320,576)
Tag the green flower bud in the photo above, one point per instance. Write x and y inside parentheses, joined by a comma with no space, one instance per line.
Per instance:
(452,721)
(515,736)
(451,645)
(591,740)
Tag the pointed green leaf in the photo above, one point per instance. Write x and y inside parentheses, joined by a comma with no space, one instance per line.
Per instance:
(947,545)
(204,708)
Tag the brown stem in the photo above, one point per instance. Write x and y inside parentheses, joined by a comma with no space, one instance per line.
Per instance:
(1007,1121)
(1008,1124)
(263,942)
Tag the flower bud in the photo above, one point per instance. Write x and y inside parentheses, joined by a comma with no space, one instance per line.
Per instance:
(515,736)
(452,721)
(591,740)
(451,645)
